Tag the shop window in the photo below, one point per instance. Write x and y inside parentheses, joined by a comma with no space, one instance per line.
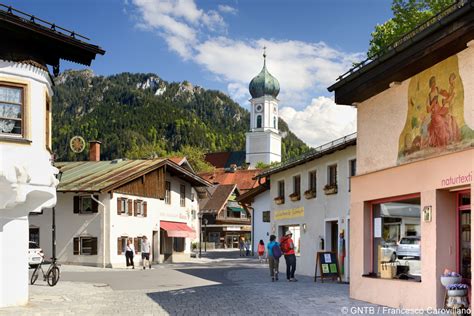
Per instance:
(266,216)
(178,244)
(168,192)
(182,195)
(12,107)
(85,246)
(85,204)
(214,237)
(396,239)
(352,171)
(35,235)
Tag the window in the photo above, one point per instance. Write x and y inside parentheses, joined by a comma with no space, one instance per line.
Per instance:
(124,206)
(12,100)
(182,195)
(281,188)
(168,192)
(178,244)
(48,123)
(140,208)
(259,121)
(121,244)
(352,171)
(332,175)
(85,245)
(274,122)
(35,235)
(297,185)
(266,216)
(312,181)
(396,238)
(85,204)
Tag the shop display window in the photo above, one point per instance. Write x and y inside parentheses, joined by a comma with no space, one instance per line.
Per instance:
(396,239)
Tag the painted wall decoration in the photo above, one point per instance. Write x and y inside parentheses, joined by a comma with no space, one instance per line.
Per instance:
(435,117)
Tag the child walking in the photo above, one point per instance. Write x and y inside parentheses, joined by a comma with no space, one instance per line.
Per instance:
(261,251)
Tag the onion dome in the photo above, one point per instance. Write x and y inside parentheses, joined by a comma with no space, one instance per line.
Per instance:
(264,83)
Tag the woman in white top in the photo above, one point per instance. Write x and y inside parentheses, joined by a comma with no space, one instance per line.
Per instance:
(129,253)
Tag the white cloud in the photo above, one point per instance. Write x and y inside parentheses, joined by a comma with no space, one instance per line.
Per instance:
(320,122)
(304,69)
(227,9)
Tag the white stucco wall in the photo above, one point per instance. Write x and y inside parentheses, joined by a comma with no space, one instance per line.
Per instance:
(261,230)
(317,211)
(27,181)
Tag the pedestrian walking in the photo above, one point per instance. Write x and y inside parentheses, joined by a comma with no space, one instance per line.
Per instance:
(247,248)
(288,248)
(129,253)
(274,254)
(241,246)
(145,252)
(261,251)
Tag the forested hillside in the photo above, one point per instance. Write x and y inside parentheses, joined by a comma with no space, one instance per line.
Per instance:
(137,115)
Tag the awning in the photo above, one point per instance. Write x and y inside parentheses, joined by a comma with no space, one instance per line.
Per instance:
(174,229)
(237,209)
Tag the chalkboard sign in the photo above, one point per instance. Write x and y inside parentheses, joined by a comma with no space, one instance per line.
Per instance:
(328,266)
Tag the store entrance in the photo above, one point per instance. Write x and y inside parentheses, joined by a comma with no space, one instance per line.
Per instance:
(464,233)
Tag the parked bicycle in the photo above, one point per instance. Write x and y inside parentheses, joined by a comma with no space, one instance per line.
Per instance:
(51,275)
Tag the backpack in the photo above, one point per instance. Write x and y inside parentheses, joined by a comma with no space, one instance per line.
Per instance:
(276,251)
(285,245)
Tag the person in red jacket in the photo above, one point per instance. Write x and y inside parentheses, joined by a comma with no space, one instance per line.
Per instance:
(288,248)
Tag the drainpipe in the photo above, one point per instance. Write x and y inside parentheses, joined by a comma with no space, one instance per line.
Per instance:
(252,235)
(103,230)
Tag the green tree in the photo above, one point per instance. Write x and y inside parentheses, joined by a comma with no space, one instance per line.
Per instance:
(407,14)
(195,156)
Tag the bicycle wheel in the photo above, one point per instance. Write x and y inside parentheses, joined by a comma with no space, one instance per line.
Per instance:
(34,276)
(53,276)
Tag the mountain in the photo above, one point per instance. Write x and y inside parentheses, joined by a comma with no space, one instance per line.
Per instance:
(135,113)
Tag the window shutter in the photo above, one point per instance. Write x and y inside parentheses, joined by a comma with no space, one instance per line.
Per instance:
(135,207)
(144,209)
(130,207)
(119,206)
(76,242)
(95,205)
(135,244)
(94,246)
(76,205)
(119,246)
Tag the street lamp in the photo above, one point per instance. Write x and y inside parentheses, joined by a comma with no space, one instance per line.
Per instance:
(205,232)
(53,224)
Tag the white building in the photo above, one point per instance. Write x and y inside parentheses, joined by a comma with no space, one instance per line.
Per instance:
(263,141)
(310,196)
(27,178)
(102,204)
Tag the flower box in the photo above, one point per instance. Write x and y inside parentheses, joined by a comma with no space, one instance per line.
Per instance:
(279,200)
(330,189)
(295,197)
(310,194)
(457,289)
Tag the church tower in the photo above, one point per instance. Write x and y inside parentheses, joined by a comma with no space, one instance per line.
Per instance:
(263,141)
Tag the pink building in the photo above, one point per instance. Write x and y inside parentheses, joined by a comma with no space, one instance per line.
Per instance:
(411,199)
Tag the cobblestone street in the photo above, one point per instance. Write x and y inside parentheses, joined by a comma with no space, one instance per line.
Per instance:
(231,286)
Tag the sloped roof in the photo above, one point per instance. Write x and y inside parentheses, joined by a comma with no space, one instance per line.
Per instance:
(248,196)
(226,159)
(316,153)
(219,198)
(103,176)
(244,179)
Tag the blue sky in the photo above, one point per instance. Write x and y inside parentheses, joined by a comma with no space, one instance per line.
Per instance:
(218,45)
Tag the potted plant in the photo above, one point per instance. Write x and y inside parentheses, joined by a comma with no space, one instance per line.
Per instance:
(330,189)
(449,277)
(279,200)
(457,289)
(309,194)
(295,197)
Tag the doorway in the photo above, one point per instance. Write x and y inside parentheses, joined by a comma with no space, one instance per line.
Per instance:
(464,233)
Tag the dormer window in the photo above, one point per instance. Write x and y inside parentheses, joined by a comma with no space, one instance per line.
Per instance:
(12,100)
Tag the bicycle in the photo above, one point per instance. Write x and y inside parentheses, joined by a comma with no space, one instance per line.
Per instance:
(51,275)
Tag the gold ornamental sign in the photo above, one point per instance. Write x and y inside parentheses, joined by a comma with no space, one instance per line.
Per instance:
(290,213)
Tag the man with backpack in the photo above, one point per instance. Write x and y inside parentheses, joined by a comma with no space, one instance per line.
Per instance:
(274,254)
(288,249)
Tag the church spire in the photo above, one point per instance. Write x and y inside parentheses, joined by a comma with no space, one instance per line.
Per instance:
(264,56)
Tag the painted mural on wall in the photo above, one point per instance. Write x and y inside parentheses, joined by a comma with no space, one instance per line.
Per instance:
(435,118)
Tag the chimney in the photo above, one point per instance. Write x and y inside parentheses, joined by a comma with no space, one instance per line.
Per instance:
(94,150)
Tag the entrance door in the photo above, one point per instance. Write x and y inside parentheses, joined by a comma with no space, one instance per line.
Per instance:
(334,237)
(464,235)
